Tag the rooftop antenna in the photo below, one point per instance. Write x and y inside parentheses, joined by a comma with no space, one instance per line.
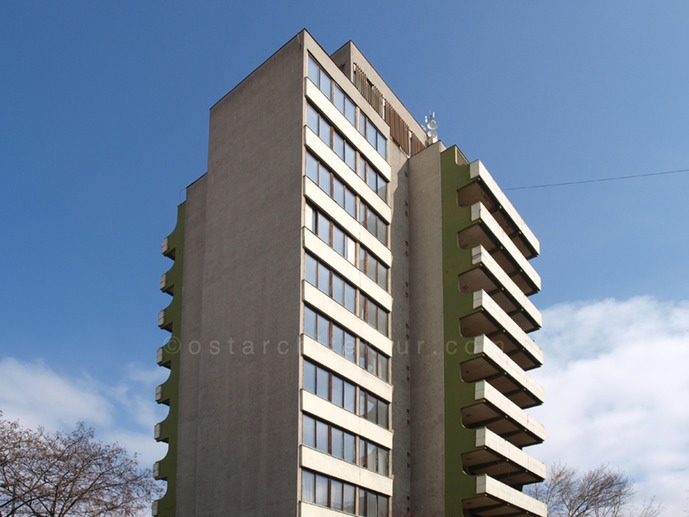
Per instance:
(431,128)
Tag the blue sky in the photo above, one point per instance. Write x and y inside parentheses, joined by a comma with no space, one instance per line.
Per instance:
(103,122)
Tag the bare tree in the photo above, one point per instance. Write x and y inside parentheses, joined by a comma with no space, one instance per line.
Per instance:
(59,474)
(601,492)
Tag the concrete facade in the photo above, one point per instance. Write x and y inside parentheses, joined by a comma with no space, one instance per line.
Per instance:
(310,372)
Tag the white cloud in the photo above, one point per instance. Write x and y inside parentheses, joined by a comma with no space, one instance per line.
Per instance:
(617,392)
(125,412)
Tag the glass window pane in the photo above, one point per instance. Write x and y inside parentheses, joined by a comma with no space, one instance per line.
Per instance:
(371,312)
(382,322)
(349,156)
(363,213)
(309,431)
(383,367)
(323,228)
(339,99)
(321,490)
(349,397)
(382,276)
(323,279)
(325,85)
(383,461)
(350,298)
(383,414)
(371,363)
(338,240)
(338,340)
(350,250)
(371,455)
(324,130)
(322,436)
(371,134)
(348,497)
(362,403)
(382,145)
(338,192)
(314,70)
(349,347)
(371,222)
(310,218)
(383,189)
(350,111)
(362,452)
(363,305)
(362,123)
(371,181)
(312,168)
(322,330)
(371,504)
(338,145)
(312,119)
(362,502)
(348,453)
(322,383)
(311,267)
(350,203)
(337,442)
(382,232)
(362,168)
(309,377)
(308,491)
(337,396)
(309,323)
(324,179)
(363,354)
(336,494)
(382,506)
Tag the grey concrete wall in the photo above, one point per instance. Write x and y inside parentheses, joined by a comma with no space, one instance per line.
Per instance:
(243,262)
(427,336)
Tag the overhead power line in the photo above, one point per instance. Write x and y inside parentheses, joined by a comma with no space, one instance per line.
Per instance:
(599,180)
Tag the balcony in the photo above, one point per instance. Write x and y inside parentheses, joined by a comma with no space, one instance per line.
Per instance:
(484,230)
(488,276)
(495,499)
(492,365)
(483,188)
(489,319)
(496,412)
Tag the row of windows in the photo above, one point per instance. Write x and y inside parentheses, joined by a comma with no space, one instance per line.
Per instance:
(342,148)
(366,128)
(342,444)
(343,196)
(331,335)
(339,495)
(346,106)
(344,245)
(330,283)
(373,314)
(332,91)
(340,392)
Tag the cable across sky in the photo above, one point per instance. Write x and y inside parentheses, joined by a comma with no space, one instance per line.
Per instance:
(599,180)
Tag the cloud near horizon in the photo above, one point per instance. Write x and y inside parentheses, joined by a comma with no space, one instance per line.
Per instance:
(617,388)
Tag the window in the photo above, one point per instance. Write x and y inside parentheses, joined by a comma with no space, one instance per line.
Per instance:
(329,334)
(373,136)
(328,439)
(330,283)
(373,268)
(372,504)
(330,136)
(373,314)
(326,491)
(332,91)
(373,361)
(331,234)
(373,409)
(328,386)
(372,178)
(330,184)
(373,222)
(373,457)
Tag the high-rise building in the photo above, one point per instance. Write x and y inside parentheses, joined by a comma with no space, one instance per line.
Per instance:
(349,317)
